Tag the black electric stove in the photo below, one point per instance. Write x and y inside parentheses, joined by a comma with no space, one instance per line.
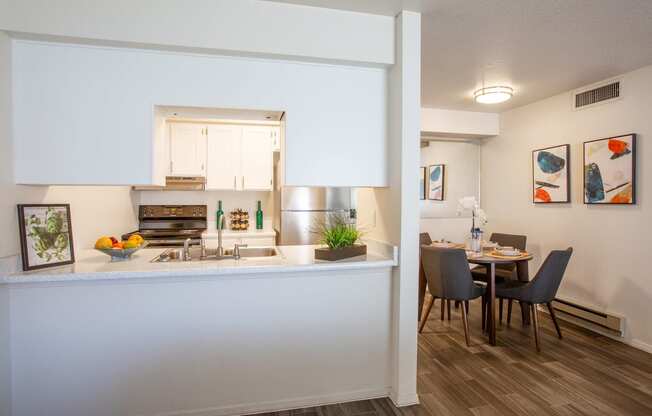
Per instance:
(171,225)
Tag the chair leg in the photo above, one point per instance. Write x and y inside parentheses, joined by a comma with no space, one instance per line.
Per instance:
(448,306)
(443,306)
(525,312)
(535,325)
(457,304)
(424,316)
(554,319)
(500,311)
(465,321)
(466,305)
(509,311)
(484,311)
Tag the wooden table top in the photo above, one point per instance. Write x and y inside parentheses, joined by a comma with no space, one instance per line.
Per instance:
(484,258)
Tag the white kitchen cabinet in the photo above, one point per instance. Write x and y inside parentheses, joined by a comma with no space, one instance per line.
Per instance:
(239,158)
(256,159)
(223,156)
(187,149)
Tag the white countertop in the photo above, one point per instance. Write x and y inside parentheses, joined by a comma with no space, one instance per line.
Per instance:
(91,265)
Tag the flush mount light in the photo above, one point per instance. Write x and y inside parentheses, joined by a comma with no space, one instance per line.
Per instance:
(493,95)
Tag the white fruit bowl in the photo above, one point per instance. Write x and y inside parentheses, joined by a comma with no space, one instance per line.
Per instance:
(121,254)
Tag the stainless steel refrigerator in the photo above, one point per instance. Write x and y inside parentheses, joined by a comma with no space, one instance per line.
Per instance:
(301,209)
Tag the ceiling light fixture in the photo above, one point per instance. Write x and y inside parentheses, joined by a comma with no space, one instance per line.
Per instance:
(493,95)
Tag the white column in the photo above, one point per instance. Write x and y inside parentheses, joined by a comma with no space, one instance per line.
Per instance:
(404,128)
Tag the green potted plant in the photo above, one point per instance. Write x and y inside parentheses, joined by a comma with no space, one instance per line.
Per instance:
(340,238)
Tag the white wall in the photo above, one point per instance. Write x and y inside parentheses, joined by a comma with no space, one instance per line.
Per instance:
(462,178)
(94,107)
(230,26)
(8,244)
(466,123)
(609,269)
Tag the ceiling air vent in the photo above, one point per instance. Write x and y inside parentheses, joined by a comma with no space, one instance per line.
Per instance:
(597,95)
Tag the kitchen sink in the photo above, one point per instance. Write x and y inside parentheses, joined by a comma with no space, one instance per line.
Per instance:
(174,255)
(254,252)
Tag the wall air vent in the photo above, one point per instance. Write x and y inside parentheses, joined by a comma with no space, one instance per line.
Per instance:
(595,95)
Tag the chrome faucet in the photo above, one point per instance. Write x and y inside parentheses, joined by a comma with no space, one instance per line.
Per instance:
(236,250)
(220,225)
(186,249)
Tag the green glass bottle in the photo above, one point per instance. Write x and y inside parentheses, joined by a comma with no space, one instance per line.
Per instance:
(219,214)
(259,217)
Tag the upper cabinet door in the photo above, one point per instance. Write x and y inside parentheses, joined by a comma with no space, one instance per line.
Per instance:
(223,157)
(257,158)
(187,149)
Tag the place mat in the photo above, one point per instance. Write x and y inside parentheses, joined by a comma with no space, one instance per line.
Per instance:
(500,256)
(446,245)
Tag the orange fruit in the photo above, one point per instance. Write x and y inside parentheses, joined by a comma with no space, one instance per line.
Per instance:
(131,243)
(103,243)
(118,246)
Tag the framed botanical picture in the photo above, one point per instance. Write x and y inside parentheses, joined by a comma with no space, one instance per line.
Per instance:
(45,235)
(422,183)
(436,174)
(551,175)
(610,170)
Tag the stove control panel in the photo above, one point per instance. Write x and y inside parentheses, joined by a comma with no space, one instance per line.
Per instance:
(172,211)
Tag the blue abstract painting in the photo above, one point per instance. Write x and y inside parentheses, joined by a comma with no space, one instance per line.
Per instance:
(610,170)
(550,174)
(436,182)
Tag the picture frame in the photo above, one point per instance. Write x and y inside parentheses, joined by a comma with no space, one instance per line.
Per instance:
(422,183)
(609,166)
(45,235)
(551,175)
(436,182)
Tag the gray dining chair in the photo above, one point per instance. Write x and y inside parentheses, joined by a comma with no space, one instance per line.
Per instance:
(539,291)
(424,239)
(449,278)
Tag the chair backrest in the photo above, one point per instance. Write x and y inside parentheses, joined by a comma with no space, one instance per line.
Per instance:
(509,240)
(424,239)
(448,273)
(543,288)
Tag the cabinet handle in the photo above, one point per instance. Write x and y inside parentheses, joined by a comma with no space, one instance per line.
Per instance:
(171,167)
(234,183)
(243,182)
(202,167)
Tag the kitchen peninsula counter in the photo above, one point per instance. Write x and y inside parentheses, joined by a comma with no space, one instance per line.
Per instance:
(92,265)
(211,337)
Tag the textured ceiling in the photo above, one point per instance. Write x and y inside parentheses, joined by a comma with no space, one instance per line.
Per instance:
(539,47)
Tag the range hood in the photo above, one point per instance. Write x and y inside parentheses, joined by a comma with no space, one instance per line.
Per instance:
(177,183)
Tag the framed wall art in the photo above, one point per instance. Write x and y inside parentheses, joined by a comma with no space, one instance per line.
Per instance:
(45,235)
(551,175)
(610,170)
(422,183)
(436,175)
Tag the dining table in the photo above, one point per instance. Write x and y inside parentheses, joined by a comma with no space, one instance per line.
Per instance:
(489,259)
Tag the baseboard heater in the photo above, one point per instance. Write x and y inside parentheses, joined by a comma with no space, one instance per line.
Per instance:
(587,317)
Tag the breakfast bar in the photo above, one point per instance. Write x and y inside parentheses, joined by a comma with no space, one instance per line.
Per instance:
(205,337)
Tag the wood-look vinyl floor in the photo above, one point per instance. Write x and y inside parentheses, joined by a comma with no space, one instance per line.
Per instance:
(583,374)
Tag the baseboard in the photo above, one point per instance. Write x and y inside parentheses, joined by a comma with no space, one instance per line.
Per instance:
(281,405)
(640,345)
(404,400)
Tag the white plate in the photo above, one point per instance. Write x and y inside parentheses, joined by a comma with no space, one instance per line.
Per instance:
(510,253)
